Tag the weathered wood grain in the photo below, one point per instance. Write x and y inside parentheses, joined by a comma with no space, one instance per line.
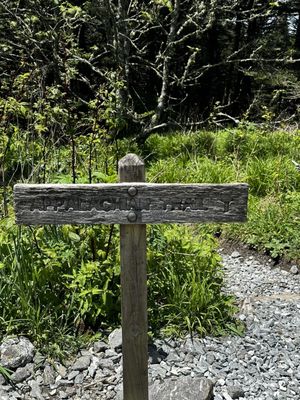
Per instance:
(123,203)
(134,294)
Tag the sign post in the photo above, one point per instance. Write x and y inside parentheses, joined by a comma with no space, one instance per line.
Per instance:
(132,203)
(134,289)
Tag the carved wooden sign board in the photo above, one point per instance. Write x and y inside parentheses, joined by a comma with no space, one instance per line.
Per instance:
(136,203)
(132,203)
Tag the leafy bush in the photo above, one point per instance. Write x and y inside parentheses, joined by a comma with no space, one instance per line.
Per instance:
(185,282)
(56,280)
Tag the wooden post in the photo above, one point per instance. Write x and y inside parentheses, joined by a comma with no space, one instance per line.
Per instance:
(134,290)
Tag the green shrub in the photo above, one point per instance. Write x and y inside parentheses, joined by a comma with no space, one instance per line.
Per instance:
(273,225)
(54,280)
(261,158)
(185,283)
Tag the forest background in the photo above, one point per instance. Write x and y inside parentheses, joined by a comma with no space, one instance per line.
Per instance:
(204,91)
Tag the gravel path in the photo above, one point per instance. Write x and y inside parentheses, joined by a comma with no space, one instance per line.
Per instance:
(266,361)
(264,364)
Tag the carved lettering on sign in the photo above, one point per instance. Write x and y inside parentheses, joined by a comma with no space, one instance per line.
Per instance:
(122,204)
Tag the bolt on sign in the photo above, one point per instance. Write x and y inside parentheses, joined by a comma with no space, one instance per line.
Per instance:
(132,203)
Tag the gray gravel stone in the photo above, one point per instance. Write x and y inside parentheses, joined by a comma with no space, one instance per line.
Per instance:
(49,374)
(36,392)
(99,346)
(115,339)
(81,363)
(294,269)
(22,373)
(72,375)
(61,370)
(235,392)
(16,352)
(181,389)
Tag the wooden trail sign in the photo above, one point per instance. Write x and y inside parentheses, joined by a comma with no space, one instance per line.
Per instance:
(122,203)
(132,203)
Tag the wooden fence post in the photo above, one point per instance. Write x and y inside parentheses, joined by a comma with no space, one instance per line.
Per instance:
(134,290)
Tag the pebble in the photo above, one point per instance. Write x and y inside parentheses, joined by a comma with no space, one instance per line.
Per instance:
(294,269)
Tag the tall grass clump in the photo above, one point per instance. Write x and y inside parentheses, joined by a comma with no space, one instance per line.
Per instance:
(248,141)
(272,175)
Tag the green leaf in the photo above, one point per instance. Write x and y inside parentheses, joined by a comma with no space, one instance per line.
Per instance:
(74,237)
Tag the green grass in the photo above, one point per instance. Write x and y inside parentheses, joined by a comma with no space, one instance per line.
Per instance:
(263,159)
(58,282)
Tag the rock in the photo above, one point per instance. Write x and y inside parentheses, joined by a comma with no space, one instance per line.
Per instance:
(64,382)
(4,396)
(22,373)
(202,366)
(99,346)
(79,379)
(36,392)
(226,396)
(235,392)
(192,346)
(235,254)
(294,270)
(157,371)
(181,389)
(218,397)
(81,363)
(93,367)
(61,370)
(16,352)
(49,375)
(72,375)
(156,355)
(63,395)
(173,357)
(115,339)
(39,359)
(70,390)
(106,363)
